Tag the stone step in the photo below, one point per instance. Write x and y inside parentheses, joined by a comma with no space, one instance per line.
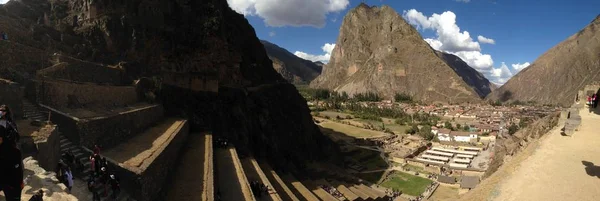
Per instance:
(367,190)
(318,191)
(299,189)
(345,191)
(255,173)
(232,181)
(285,193)
(359,192)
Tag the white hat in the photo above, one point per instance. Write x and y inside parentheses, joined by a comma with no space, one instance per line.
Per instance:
(112,176)
(103,168)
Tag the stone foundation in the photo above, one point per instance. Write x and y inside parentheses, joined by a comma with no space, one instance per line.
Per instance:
(109,130)
(68,94)
(83,71)
(47,146)
(144,183)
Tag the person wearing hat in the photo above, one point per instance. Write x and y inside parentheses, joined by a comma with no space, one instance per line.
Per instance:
(11,167)
(115,186)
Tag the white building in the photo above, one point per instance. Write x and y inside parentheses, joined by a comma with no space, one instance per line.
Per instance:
(463,136)
(444,135)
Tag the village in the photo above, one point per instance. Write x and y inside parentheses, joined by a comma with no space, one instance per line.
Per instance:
(436,151)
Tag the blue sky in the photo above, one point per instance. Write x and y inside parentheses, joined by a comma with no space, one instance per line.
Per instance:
(521,29)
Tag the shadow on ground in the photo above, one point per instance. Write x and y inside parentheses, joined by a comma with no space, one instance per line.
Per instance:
(591,169)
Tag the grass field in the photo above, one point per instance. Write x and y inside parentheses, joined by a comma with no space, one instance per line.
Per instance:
(409,184)
(333,115)
(351,130)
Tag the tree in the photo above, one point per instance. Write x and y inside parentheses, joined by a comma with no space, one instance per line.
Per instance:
(458,126)
(485,134)
(447,125)
(524,122)
(466,128)
(403,98)
(425,132)
(512,129)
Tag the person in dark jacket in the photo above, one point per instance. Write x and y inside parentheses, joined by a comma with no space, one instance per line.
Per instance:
(11,167)
(9,128)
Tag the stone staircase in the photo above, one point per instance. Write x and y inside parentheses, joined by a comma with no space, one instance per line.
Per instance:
(32,112)
(83,156)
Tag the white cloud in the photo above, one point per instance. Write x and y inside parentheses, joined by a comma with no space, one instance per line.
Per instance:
(452,40)
(278,13)
(327,48)
(482,39)
(465,1)
(518,66)
(272,33)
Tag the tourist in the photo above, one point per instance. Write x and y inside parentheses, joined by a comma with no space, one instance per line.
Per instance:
(69,178)
(96,149)
(92,184)
(593,105)
(97,164)
(38,196)
(104,180)
(595,101)
(589,101)
(115,186)
(11,166)
(93,165)
(9,127)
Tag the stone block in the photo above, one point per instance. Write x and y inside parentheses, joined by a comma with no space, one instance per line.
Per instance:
(83,71)
(47,145)
(61,94)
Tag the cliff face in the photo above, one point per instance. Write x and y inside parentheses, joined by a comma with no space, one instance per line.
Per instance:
(472,77)
(377,51)
(212,67)
(557,75)
(294,69)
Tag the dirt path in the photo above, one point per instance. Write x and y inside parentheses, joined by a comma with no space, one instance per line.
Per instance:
(560,168)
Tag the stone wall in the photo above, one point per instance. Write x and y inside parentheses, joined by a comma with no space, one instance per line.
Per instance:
(47,143)
(112,130)
(146,182)
(106,131)
(83,71)
(62,94)
(11,94)
(157,172)
(506,147)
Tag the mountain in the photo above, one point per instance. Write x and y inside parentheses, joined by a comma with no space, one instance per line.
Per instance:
(320,64)
(472,77)
(557,75)
(212,68)
(377,51)
(294,69)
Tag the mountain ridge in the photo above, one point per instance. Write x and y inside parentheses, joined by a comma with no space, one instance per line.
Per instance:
(293,68)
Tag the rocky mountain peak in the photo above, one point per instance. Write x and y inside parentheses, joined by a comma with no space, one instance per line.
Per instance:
(378,51)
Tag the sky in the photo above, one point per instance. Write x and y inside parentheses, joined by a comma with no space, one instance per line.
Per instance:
(496,37)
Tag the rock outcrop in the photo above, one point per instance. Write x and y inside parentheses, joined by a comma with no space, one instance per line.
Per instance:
(294,69)
(557,75)
(378,51)
(211,66)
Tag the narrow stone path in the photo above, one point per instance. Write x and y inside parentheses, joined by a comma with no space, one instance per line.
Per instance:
(561,168)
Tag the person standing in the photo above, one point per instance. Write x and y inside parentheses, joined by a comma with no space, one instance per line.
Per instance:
(92,184)
(69,178)
(11,168)
(589,101)
(115,186)
(12,136)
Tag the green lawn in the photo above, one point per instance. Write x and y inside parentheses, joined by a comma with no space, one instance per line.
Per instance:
(409,184)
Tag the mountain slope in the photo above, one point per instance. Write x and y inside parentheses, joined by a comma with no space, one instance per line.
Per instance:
(212,68)
(377,51)
(557,75)
(472,77)
(292,68)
